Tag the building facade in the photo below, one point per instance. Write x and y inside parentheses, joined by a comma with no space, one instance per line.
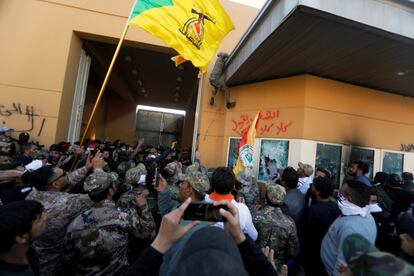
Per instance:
(333,80)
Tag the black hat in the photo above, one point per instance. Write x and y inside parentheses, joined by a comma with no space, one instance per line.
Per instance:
(55,147)
(24,136)
(210,251)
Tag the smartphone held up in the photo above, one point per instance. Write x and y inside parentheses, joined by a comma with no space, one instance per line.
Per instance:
(205,212)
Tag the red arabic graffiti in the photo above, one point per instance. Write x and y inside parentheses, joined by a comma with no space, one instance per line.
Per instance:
(283,127)
(266,129)
(242,124)
(267,124)
(269,115)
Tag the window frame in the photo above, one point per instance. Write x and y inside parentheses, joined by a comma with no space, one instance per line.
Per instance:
(383,151)
(342,159)
(256,155)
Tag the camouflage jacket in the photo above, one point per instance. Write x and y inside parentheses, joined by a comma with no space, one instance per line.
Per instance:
(76,177)
(277,231)
(249,189)
(125,200)
(174,192)
(60,209)
(97,240)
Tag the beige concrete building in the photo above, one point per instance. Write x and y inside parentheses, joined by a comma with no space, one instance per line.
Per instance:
(333,78)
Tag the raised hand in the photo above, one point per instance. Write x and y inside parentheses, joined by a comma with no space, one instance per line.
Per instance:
(232,225)
(171,230)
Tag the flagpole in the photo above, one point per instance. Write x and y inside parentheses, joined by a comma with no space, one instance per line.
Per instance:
(105,82)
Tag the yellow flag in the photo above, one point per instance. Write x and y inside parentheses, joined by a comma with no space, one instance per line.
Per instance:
(245,159)
(194,28)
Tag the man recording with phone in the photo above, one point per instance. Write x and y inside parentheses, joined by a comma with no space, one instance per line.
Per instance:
(193,185)
(222,183)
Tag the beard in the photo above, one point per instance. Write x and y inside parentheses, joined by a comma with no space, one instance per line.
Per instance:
(53,160)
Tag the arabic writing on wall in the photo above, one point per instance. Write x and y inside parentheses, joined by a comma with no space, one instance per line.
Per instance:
(269,123)
(407,147)
(28,113)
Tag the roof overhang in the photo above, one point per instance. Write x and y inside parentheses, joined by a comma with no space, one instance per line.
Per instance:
(364,42)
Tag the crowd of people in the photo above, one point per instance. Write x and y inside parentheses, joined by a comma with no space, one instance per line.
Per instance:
(108,208)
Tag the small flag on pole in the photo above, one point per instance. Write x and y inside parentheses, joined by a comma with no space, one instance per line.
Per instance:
(245,159)
(194,28)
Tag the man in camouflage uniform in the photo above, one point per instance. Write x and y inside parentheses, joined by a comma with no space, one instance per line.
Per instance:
(277,230)
(173,169)
(97,240)
(218,80)
(123,167)
(249,190)
(364,259)
(132,177)
(60,208)
(194,184)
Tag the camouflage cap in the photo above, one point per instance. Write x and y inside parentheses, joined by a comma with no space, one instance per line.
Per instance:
(124,166)
(197,180)
(41,154)
(133,174)
(171,168)
(97,182)
(4,144)
(141,168)
(364,259)
(306,168)
(115,177)
(192,168)
(276,193)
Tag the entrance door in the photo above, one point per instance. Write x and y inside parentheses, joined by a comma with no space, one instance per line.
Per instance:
(79,98)
(159,126)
